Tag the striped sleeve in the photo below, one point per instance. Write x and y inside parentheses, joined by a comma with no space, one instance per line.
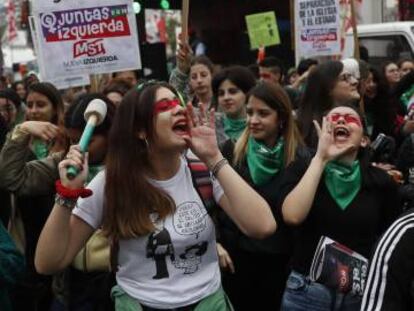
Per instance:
(392,268)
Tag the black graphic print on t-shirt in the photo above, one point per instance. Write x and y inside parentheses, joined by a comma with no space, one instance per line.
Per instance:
(190,219)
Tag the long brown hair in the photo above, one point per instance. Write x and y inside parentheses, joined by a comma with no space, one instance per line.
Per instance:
(129,197)
(276,98)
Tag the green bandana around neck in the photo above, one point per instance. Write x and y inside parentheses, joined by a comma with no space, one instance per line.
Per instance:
(40,149)
(343,182)
(234,127)
(264,162)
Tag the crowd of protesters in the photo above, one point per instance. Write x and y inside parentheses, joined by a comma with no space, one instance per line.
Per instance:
(212,191)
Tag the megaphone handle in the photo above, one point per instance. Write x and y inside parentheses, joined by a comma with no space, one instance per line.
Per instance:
(83,143)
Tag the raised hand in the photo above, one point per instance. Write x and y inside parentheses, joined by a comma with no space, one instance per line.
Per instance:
(327,149)
(202,140)
(39,129)
(184,55)
(74,158)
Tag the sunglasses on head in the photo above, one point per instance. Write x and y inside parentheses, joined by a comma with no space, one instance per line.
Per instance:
(166,105)
(348,118)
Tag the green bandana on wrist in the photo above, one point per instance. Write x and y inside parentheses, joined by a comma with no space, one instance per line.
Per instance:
(264,162)
(234,127)
(40,149)
(343,182)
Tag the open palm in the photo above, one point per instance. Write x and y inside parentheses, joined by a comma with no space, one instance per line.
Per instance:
(202,140)
(327,149)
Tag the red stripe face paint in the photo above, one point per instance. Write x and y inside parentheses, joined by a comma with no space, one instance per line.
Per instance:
(348,118)
(166,105)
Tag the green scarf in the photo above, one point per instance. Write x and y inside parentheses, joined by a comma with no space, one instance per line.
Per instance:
(343,182)
(40,148)
(264,162)
(93,171)
(405,98)
(234,127)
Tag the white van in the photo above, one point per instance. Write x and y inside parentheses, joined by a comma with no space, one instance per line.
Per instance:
(386,41)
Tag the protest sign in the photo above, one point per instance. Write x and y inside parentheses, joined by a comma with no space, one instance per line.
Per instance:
(68,82)
(60,82)
(262,29)
(317,28)
(86,37)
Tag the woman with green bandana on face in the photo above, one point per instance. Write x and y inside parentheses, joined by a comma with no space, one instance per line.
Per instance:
(230,87)
(339,195)
(266,147)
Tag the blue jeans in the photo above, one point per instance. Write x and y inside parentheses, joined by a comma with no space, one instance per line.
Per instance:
(303,294)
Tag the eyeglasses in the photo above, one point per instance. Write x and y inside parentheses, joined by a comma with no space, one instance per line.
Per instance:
(348,77)
(348,118)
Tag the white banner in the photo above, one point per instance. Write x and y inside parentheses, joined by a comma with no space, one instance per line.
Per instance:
(59,82)
(317,28)
(86,37)
(68,82)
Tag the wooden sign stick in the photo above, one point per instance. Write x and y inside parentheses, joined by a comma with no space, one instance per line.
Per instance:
(184,21)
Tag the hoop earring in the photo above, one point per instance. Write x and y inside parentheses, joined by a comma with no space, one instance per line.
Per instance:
(146,143)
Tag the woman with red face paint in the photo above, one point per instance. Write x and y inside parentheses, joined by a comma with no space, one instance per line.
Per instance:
(329,84)
(337,195)
(145,200)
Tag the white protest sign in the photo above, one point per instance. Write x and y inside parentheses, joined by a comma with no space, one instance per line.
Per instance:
(86,37)
(68,82)
(62,82)
(317,28)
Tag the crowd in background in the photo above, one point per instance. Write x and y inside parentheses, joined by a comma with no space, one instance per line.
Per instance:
(296,154)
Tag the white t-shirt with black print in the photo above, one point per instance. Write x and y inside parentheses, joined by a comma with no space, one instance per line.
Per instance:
(176,265)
